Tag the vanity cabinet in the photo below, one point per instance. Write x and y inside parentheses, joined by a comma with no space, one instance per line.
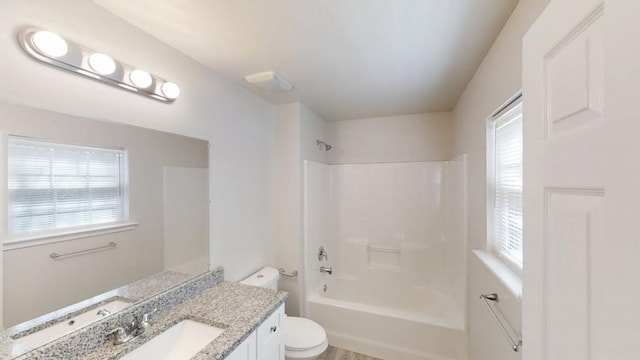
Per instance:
(266,342)
(270,336)
(246,350)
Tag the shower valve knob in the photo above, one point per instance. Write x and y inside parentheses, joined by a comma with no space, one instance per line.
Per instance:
(322,254)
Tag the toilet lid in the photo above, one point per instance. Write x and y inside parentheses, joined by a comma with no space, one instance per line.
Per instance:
(302,334)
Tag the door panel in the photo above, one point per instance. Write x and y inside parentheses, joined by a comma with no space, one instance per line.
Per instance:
(574,83)
(573,220)
(581,72)
(564,177)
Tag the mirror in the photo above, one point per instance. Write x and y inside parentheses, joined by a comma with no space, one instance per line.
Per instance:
(162,235)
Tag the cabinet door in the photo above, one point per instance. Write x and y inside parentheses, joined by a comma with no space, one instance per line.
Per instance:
(246,350)
(275,351)
(270,336)
(271,330)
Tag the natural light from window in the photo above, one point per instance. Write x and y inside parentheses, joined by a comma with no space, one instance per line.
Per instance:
(56,186)
(505,184)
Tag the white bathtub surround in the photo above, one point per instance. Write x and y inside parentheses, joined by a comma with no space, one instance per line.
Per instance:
(383,332)
(456,229)
(316,225)
(395,235)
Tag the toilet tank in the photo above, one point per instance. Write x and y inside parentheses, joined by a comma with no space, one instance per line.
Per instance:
(267,277)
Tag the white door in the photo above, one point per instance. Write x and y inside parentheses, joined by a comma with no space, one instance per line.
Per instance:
(581,89)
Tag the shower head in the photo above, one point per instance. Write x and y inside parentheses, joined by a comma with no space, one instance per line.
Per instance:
(323,145)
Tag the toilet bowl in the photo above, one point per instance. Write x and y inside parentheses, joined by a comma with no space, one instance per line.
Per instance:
(305,339)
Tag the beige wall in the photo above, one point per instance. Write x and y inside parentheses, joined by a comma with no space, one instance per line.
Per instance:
(186,219)
(287,191)
(421,137)
(238,125)
(34,284)
(298,128)
(313,128)
(496,80)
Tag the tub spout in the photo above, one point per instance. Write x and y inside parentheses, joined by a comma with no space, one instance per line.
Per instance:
(325,269)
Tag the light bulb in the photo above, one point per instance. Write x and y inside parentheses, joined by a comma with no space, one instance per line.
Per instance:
(102,64)
(140,78)
(50,44)
(171,90)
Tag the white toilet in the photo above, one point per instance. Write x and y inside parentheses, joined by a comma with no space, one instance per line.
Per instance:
(305,339)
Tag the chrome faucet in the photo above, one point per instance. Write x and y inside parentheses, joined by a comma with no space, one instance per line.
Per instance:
(122,334)
(145,323)
(103,312)
(325,269)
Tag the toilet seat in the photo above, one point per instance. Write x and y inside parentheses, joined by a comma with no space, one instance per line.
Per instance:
(303,334)
(311,354)
(304,338)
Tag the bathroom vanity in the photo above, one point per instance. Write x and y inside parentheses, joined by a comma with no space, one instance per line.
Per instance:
(242,322)
(264,343)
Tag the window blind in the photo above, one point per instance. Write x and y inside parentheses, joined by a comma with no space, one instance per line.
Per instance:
(54,186)
(508,226)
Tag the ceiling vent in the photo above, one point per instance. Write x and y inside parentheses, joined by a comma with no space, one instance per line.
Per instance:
(269,82)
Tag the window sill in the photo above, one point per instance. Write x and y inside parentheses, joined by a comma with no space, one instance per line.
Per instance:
(509,278)
(26,241)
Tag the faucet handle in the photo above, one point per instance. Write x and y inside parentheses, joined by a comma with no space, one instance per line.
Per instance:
(118,335)
(147,316)
(322,253)
(119,332)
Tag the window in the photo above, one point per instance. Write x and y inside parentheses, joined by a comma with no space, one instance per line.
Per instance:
(505,183)
(55,186)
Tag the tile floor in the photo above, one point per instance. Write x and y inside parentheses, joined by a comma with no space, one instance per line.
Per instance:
(334,353)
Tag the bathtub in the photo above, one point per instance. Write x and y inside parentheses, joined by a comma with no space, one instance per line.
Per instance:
(389,320)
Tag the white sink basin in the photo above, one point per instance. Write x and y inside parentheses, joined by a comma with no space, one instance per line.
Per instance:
(63,328)
(181,341)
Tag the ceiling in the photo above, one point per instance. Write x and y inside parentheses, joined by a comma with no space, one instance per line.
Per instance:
(347,59)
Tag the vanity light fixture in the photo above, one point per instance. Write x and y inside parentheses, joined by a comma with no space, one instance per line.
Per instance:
(52,49)
(140,78)
(171,90)
(102,64)
(50,44)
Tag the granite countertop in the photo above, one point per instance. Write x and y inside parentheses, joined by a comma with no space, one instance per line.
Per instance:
(206,298)
(237,308)
(134,292)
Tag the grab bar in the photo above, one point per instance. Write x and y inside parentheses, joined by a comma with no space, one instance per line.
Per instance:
(515,344)
(383,249)
(56,256)
(284,273)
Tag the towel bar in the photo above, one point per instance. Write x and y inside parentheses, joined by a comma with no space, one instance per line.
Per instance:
(284,273)
(56,256)
(515,344)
